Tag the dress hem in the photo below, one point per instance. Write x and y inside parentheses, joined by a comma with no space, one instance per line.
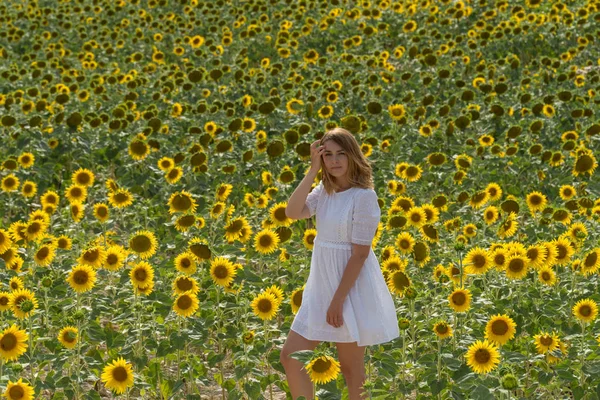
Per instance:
(344,341)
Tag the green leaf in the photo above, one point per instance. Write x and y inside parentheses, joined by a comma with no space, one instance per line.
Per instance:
(481,392)
(437,386)
(303,356)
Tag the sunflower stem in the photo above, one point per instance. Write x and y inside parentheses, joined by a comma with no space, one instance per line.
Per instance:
(582,355)
(439,362)
(413,330)
(31,349)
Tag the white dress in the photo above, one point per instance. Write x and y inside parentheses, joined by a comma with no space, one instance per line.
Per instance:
(369,314)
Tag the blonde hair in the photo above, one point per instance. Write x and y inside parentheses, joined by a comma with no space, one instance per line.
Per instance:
(360,172)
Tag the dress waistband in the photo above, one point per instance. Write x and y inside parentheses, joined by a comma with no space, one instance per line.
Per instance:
(332,244)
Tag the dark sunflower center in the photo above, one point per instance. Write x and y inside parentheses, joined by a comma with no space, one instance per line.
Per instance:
(499,327)
(545,276)
(516,265)
(585,310)
(112,259)
(546,340)
(81,277)
(535,200)
(321,366)
(186,220)
(401,281)
(562,251)
(482,356)
(221,272)
(499,259)
(297,298)
(265,305)
(405,243)
(4,300)
(591,259)
(265,241)
(184,302)
(83,179)
(459,298)
(8,342)
(235,226)
(310,239)
(121,198)
(102,211)
(279,214)
(76,192)
(120,374)
(69,336)
(140,274)
(16,392)
(43,253)
(442,328)
(185,263)
(479,261)
(185,284)
(533,254)
(91,255)
(141,243)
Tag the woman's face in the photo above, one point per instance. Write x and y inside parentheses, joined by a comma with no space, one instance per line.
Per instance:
(335,159)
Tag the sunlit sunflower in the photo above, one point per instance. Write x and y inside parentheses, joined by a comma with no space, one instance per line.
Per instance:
(82,278)
(567,192)
(266,241)
(35,229)
(405,242)
(143,243)
(16,283)
(516,266)
(398,282)
(564,251)
(322,369)
(182,202)
(165,163)
(222,271)
(536,254)
(223,191)
(94,256)
(536,201)
(509,227)
(278,216)
(416,217)
(19,390)
(396,111)
(482,357)
(142,275)
(199,248)
(68,337)
(118,375)
(265,306)
(76,193)
(83,177)
(296,299)
(442,329)
(44,255)
(500,329)
(4,301)
(5,241)
(234,230)
(115,258)
(477,261)
(13,343)
(185,263)
(460,300)
(547,276)
(26,159)
(120,198)
(64,242)
(545,342)
(10,183)
(29,189)
(412,173)
(590,262)
(186,304)
(21,301)
(309,238)
(585,310)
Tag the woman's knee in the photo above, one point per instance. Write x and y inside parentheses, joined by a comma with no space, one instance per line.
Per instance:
(353,373)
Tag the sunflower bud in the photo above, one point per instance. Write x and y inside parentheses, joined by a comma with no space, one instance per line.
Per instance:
(78,315)
(403,323)
(458,246)
(47,282)
(248,337)
(410,293)
(509,382)
(26,306)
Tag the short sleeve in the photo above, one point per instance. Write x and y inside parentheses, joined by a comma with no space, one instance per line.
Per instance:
(365,217)
(313,198)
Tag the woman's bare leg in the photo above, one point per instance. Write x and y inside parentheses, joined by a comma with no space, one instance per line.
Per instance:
(297,377)
(352,365)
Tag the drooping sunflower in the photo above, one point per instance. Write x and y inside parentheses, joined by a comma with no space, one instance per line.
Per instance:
(94,256)
(584,164)
(217,209)
(182,202)
(482,357)
(323,369)
(143,243)
(460,300)
(477,261)
(68,337)
(83,177)
(479,199)
(266,241)
(398,282)
(234,230)
(500,329)
(184,283)
(545,342)
(296,299)
(82,278)
(118,375)
(185,263)
(101,212)
(223,191)
(142,275)
(198,247)
(222,271)
(21,301)
(265,306)
(186,304)
(585,310)
(442,329)
(19,390)
(309,238)
(120,198)
(13,343)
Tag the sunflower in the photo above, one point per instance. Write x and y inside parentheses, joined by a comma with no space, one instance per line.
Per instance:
(412,173)
(16,283)
(120,198)
(567,192)
(591,262)
(442,329)
(500,329)
(217,209)
(564,250)
(77,209)
(19,303)
(516,266)
(460,300)
(266,241)
(398,282)
(143,243)
(416,217)
(4,301)
(325,112)
(199,248)
(309,238)
(19,390)
(50,197)
(296,299)
(83,177)
(101,212)
(477,261)
(44,255)
(76,193)
(165,163)
(115,258)
(64,242)
(393,264)
(35,229)
(577,231)
(94,256)
(278,216)
(182,202)
(509,227)
(5,241)
(323,369)
(482,357)
(118,375)
(547,276)
(223,191)
(13,343)
(222,271)
(479,199)
(26,160)
(142,275)
(185,263)
(410,26)
(397,111)
(235,228)
(432,213)
(494,190)
(248,337)
(536,254)
(536,201)
(545,342)
(186,304)
(82,278)
(68,336)
(584,164)
(29,189)
(585,310)
(265,306)
(10,183)
(294,106)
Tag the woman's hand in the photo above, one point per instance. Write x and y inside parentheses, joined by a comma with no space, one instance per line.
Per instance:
(316,152)
(334,313)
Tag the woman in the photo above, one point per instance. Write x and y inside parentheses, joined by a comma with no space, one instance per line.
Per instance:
(346,299)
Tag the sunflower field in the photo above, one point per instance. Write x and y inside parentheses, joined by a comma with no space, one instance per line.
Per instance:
(149,148)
